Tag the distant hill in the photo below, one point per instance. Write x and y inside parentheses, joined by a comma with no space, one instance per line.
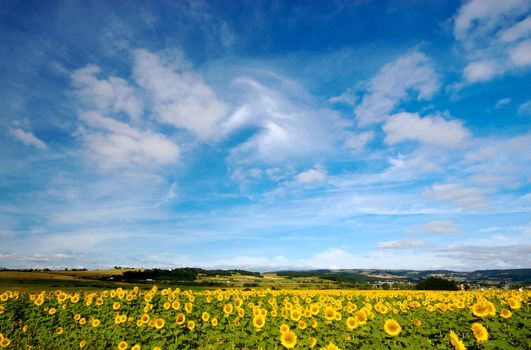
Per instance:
(521,276)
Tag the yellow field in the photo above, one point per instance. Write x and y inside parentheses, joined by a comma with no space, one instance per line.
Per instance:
(265,319)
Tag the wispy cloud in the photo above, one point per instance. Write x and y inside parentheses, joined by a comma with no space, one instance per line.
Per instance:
(112,95)
(28,138)
(469,198)
(410,75)
(403,244)
(113,144)
(494,35)
(179,96)
(286,123)
(437,226)
(525,108)
(317,174)
(429,130)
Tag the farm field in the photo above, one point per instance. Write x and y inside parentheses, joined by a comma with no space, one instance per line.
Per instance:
(264,319)
(80,281)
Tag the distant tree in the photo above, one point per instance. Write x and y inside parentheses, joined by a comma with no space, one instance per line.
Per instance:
(436,283)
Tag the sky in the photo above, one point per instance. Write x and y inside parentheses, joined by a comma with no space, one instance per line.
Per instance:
(265,135)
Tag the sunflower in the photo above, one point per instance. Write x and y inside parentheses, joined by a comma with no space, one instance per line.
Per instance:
(417,322)
(329,313)
(480,309)
(295,314)
(352,323)
(159,323)
(514,303)
(361,316)
(188,307)
(205,316)
(214,322)
(456,343)
(180,318)
(284,328)
(4,343)
(116,305)
(392,327)
(95,322)
(313,342)
(480,332)
(122,345)
(117,319)
(190,325)
(82,344)
(505,313)
(59,330)
(314,309)
(331,346)
(144,318)
(136,347)
(227,309)
(288,339)
(259,321)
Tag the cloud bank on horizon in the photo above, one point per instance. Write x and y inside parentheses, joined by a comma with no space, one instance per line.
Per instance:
(266,135)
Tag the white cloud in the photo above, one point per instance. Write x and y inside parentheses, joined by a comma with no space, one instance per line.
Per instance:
(400,244)
(502,102)
(180,97)
(347,97)
(281,120)
(520,55)
(503,257)
(410,74)
(357,141)
(479,18)
(480,71)
(113,95)
(525,108)
(469,198)
(317,174)
(518,31)
(493,35)
(432,130)
(438,226)
(114,144)
(481,155)
(335,258)
(28,138)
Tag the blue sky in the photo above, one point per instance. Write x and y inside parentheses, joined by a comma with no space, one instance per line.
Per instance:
(266,134)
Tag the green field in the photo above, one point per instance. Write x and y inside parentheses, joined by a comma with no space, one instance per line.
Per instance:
(71,281)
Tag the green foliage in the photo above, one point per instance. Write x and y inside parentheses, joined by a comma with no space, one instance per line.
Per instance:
(436,283)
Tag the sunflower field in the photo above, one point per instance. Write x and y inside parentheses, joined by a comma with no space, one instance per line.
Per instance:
(265,319)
